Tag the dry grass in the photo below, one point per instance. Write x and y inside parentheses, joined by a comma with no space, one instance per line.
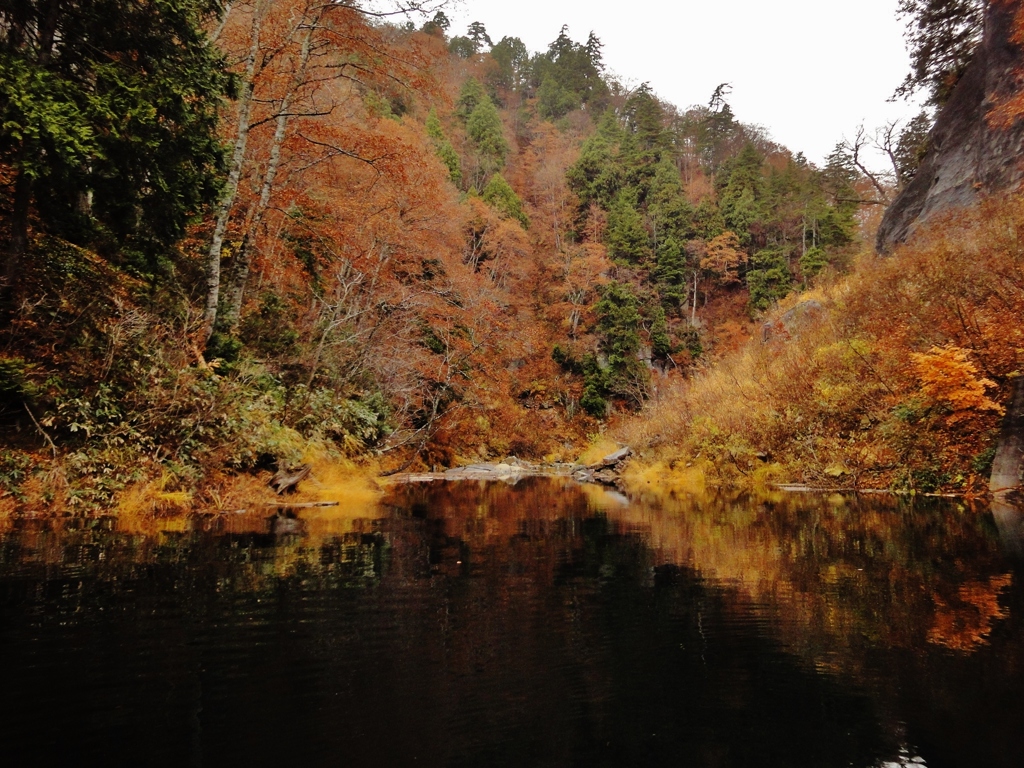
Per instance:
(600,447)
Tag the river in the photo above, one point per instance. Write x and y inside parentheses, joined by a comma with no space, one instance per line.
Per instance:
(536,624)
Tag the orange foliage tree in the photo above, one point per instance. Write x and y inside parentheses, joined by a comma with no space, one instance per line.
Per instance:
(949,378)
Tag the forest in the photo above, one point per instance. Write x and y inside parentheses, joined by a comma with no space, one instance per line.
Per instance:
(248,235)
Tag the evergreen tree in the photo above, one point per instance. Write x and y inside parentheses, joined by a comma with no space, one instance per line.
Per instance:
(463,47)
(595,387)
(470,96)
(444,149)
(627,237)
(672,274)
(487,133)
(555,101)
(768,279)
(593,48)
(108,117)
(942,36)
(661,344)
(596,177)
(499,195)
(717,128)
(513,59)
(812,262)
(708,222)
(478,34)
(645,118)
(668,209)
(574,68)
(742,194)
(619,323)
(911,147)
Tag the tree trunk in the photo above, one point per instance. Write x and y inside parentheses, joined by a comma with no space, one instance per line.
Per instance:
(234,175)
(222,22)
(693,312)
(243,259)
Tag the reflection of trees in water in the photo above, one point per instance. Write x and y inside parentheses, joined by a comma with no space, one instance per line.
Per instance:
(845,572)
(855,571)
(500,623)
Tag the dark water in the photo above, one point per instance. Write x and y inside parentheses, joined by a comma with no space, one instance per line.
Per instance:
(536,625)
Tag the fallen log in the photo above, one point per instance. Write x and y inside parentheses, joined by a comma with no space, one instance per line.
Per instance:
(302,504)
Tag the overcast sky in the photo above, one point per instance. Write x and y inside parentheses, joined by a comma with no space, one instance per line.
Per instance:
(809,71)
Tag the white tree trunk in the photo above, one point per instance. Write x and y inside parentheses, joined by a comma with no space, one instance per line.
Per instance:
(245,103)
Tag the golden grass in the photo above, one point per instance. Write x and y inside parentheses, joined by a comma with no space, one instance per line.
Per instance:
(600,447)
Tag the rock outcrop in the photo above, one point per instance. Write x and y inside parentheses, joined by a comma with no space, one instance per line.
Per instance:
(1008,463)
(968,158)
(511,470)
(789,324)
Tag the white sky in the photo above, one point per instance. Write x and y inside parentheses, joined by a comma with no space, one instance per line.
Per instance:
(810,71)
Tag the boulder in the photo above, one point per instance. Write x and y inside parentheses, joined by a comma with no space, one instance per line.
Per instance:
(612,459)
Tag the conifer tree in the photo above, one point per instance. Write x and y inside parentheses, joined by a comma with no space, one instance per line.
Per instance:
(444,149)
(645,118)
(470,96)
(627,237)
(513,58)
(670,213)
(661,343)
(108,116)
(941,36)
(619,323)
(487,133)
(672,275)
(499,195)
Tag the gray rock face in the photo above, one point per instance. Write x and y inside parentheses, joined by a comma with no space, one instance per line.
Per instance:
(789,324)
(1009,459)
(968,158)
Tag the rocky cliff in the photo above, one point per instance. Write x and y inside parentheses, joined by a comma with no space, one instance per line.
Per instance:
(968,158)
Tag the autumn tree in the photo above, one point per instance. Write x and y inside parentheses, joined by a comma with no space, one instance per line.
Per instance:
(723,259)
(297,63)
(438,25)
(951,380)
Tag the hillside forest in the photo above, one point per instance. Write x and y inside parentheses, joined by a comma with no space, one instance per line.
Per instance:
(248,235)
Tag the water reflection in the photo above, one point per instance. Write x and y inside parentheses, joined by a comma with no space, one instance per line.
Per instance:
(545,624)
